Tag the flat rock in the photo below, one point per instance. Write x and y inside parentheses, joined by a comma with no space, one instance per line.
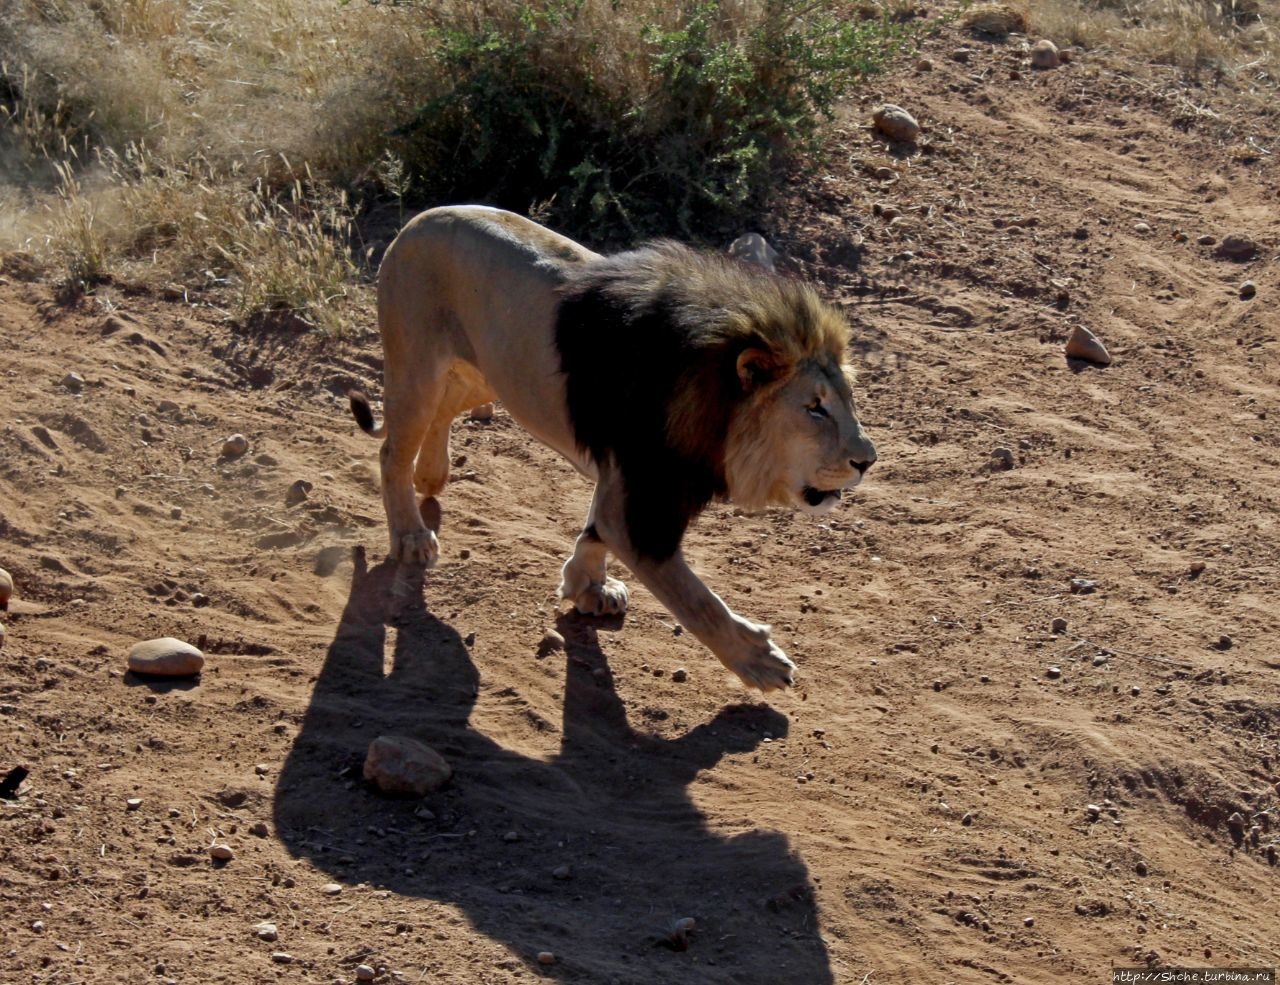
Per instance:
(165,657)
(896,123)
(1237,246)
(396,764)
(1083,344)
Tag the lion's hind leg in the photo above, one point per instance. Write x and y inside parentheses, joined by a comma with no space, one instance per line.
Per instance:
(584,581)
(464,388)
(410,406)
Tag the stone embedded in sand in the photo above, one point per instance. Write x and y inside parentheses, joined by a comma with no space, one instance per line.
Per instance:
(73,382)
(235,446)
(1237,246)
(1059,625)
(165,657)
(484,412)
(365,973)
(551,642)
(1044,54)
(298,492)
(1083,344)
(221,853)
(1248,290)
(6,589)
(396,764)
(266,931)
(896,123)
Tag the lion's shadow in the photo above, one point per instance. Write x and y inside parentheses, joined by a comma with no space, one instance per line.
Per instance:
(590,855)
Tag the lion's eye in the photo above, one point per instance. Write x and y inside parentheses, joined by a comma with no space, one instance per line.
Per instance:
(817,410)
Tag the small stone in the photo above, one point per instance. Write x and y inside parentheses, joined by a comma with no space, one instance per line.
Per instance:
(1197,567)
(1083,344)
(1140,867)
(967,820)
(167,407)
(1206,240)
(562,872)
(235,446)
(1100,660)
(1002,458)
(896,123)
(1059,625)
(1083,586)
(175,513)
(365,973)
(511,837)
(37,927)
(546,957)
(1237,246)
(679,675)
(1225,642)
(1142,228)
(266,932)
(1044,54)
(1053,673)
(482,413)
(754,249)
(1028,921)
(298,492)
(259,829)
(6,589)
(924,65)
(962,55)
(221,852)
(1248,290)
(396,764)
(282,957)
(331,889)
(1093,810)
(885,174)
(165,657)
(1135,691)
(73,382)
(551,642)
(133,803)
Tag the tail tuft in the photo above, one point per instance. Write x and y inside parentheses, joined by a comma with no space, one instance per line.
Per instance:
(363,413)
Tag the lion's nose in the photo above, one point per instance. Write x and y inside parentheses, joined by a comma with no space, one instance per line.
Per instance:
(864,458)
(862,466)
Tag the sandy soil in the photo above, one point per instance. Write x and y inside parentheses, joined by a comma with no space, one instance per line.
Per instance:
(916,810)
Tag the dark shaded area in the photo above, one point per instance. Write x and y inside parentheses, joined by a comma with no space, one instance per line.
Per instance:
(613,805)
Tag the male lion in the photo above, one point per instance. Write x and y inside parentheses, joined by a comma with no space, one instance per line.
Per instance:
(669,376)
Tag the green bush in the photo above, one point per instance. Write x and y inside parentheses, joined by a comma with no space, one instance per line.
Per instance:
(633,118)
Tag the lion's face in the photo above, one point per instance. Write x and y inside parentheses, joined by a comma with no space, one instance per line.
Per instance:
(799,442)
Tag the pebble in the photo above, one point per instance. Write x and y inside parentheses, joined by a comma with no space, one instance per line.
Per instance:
(1059,625)
(546,957)
(1142,228)
(562,872)
(754,249)
(1206,240)
(895,123)
(298,492)
(220,852)
(1141,868)
(133,803)
(1053,673)
(679,675)
(259,829)
(365,973)
(1135,691)
(1028,921)
(282,957)
(235,446)
(482,413)
(1083,344)
(331,889)
(1248,290)
(1197,567)
(37,927)
(886,174)
(511,837)
(167,407)
(6,589)
(1093,810)
(1083,586)
(1044,54)
(165,657)
(266,932)
(396,764)
(1002,457)
(1225,642)
(551,642)
(1237,246)
(73,382)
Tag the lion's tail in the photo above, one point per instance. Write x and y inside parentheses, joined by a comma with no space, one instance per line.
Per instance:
(363,413)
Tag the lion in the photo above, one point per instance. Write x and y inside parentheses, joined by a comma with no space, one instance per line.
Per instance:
(670,377)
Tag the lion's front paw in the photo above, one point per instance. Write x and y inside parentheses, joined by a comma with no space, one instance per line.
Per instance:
(760,663)
(419,547)
(608,599)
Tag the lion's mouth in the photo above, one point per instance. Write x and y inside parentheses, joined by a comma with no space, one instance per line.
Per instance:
(819,497)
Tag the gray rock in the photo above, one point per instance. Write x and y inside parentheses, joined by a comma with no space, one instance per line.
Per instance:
(73,382)
(396,764)
(1237,246)
(896,123)
(165,657)
(1044,54)
(1248,290)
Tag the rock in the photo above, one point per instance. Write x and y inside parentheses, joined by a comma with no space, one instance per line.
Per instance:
(679,675)
(235,446)
(962,55)
(551,642)
(1053,673)
(1059,625)
(482,413)
(1225,642)
(995,19)
(282,957)
(1044,54)
(754,249)
(1002,458)
(886,174)
(259,829)
(331,889)
(133,803)
(6,589)
(1142,228)
(1247,290)
(165,657)
(73,382)
(167,407)
(298,492)
(1093,811)
(1197,567)
(562,872)
(546,957)
(1083,586)
(397,764)
(1237,246)
(896,123)
(220,852)
(1140,867)
(1206,240)
(511,837)
(266,932)
(1084,345)
(365,973)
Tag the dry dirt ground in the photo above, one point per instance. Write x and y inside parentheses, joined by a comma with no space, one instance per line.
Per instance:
(916,810)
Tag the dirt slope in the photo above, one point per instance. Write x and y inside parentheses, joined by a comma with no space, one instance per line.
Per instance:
(917,810)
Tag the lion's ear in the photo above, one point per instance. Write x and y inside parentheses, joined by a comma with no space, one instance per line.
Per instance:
(757,367)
